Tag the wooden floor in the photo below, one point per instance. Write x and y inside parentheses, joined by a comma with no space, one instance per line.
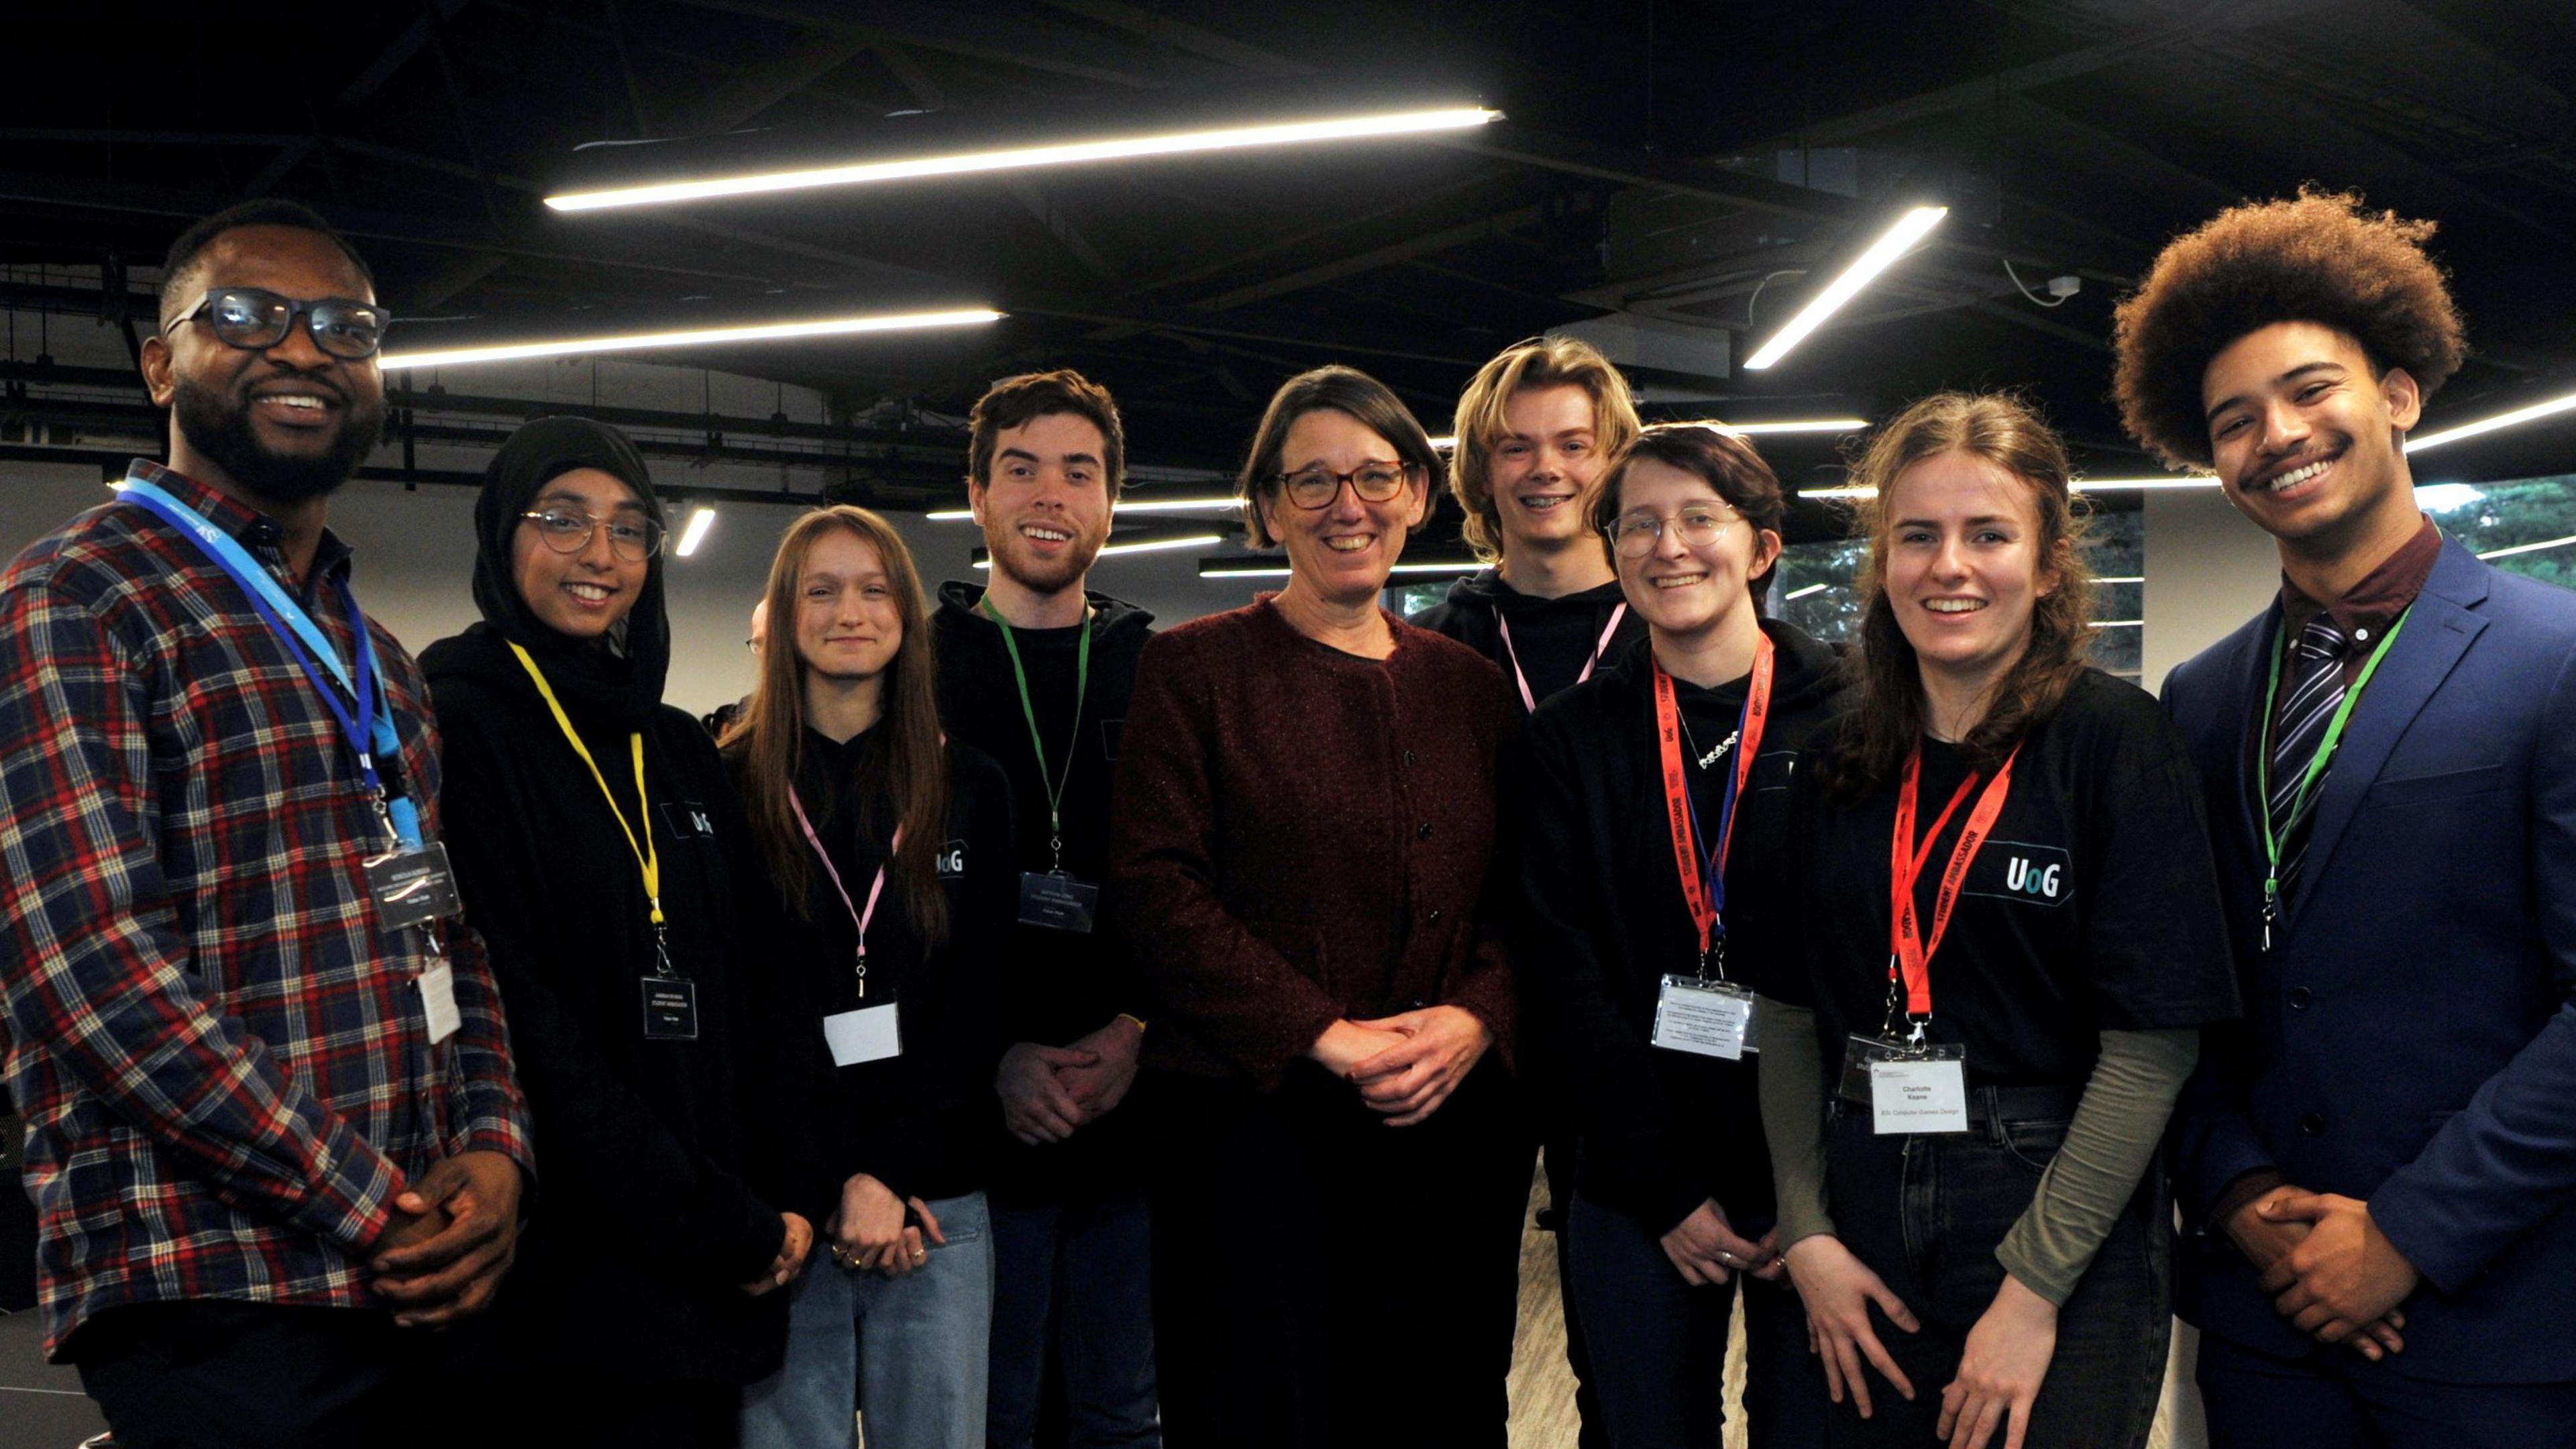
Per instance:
(1542,1390)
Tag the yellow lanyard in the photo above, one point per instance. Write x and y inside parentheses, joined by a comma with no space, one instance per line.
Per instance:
(647,857)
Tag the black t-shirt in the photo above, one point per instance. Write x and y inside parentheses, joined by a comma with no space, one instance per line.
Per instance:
(2092,906)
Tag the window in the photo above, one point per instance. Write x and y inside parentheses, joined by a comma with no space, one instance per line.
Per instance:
(2527,526)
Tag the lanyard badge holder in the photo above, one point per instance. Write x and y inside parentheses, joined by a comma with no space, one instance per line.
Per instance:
(670,999)
(1050,897)
(1915,1085)
(409,881)
(865,1033)
(1600,646)
(2315,768)
(1700,1014)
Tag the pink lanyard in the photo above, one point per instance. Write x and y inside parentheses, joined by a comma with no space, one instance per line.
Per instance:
(1529,704)
(858,918)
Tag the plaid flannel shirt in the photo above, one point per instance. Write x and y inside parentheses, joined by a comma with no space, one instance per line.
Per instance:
(220,1054)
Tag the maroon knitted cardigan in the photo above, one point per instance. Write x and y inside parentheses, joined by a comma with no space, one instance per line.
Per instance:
(1302,835)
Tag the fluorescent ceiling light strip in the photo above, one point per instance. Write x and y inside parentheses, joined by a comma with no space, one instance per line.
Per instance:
(692,337)
(1794,425)
(2529,547)
(1882,254)
(1848,490)
(1796,594)
(696,533)
(1151,545)
(2144,485)
(2488,425)
(2119,623)
(1178,143)
(2123,579)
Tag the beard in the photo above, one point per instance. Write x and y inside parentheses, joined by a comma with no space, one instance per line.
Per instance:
(1043,575)
(218,425)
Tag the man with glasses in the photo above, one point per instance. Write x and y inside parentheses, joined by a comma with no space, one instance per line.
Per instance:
(273,1131)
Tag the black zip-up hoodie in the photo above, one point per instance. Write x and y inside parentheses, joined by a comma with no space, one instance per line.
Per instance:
(1551,638)
(1052,986)
(1604,921)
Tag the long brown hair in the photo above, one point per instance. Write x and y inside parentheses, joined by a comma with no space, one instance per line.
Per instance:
(2008,432)
(766,742)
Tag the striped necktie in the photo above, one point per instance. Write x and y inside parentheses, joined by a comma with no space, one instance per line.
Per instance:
(2316,690)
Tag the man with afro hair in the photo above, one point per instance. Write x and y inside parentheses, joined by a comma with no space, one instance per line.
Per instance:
(2377,1167)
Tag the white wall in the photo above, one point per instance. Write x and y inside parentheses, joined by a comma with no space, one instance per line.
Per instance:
(2208,571)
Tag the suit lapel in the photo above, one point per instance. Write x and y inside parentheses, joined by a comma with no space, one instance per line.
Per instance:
(2247,672)
(2438,631)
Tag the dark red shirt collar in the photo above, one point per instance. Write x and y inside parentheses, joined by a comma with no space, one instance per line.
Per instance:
(2370,607)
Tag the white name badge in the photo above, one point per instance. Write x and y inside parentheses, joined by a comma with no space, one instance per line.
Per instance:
(1705,1018)
(438,1001)
(1919,1094)
(868,1034)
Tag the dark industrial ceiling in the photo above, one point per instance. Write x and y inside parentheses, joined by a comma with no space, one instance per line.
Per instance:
(1649,166)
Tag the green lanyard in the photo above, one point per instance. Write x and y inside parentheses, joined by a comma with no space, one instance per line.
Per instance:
(2317,762)
(1081,685)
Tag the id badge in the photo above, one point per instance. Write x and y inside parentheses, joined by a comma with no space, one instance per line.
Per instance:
(1057,901)
(413,887)
(1908,1088)
(438,1001)
(869,1034)
(1706,1018)
(670,1008)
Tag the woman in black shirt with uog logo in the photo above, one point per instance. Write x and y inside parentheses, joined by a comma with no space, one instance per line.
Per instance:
(2011,928)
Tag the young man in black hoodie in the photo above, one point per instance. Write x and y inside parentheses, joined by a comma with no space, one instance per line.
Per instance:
(1036,672)
(1536,428)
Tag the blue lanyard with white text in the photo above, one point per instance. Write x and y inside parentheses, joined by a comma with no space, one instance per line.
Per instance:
(306,641)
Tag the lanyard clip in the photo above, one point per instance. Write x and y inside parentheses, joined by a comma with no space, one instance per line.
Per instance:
(662,951)
(1915,1038)
(863,970)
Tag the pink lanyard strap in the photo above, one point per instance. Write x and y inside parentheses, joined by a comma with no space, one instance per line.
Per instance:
(1529,704)
(858,917)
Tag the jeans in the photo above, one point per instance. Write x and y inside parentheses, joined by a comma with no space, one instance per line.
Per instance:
(1926,1213)
(1659,1344)
(1079,1274)
(912,1349)
(2333,1399)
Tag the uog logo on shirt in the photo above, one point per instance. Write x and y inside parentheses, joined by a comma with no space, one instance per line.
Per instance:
(2019,870)
(952,860)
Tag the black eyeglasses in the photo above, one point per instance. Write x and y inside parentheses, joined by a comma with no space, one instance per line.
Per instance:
(256,319)
(1317,487)
(565,531)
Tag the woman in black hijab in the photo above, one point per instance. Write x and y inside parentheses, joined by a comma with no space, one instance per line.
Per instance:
(602,858)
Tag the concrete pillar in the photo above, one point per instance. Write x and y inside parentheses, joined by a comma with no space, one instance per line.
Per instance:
(2208,570)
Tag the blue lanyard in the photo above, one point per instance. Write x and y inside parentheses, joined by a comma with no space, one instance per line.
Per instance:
(1715,868)
(305,640)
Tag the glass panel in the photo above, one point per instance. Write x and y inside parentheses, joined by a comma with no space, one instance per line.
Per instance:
(2525,527)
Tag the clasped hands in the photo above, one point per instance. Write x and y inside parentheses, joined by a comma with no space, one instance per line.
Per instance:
(1706,1250)
(453,1233)
(2328,1267)
(869,1233)
(1049,1092)
(1405,1065)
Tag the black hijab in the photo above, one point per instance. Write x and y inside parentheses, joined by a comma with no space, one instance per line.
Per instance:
(598,687)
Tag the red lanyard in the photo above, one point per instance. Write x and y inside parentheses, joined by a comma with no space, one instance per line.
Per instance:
(1530,704)
(858,918)
(1703,873)
(1910,953)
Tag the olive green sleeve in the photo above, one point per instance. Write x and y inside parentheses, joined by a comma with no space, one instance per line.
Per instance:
(2110,1146)
(1792,1077)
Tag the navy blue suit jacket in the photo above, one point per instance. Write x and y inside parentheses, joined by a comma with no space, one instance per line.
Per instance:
(2410,1038)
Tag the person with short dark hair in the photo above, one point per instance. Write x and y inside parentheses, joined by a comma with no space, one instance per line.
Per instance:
(2377,1168)
(2011,931)
(1036,671)
(274,1134)
(603,858)
(1654,894)
(1306,869)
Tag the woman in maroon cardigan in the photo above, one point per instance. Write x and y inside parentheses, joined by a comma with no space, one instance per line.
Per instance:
(1306,846)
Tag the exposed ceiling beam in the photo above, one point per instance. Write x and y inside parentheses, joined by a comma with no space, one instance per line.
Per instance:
(1021,41)
(1509,142)
(1419,246)
(1180,35)
(366,83)
(744,97)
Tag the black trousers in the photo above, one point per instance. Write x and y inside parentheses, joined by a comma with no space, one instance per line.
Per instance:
(1325,1281)
(216,1375)
(1926,1213)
